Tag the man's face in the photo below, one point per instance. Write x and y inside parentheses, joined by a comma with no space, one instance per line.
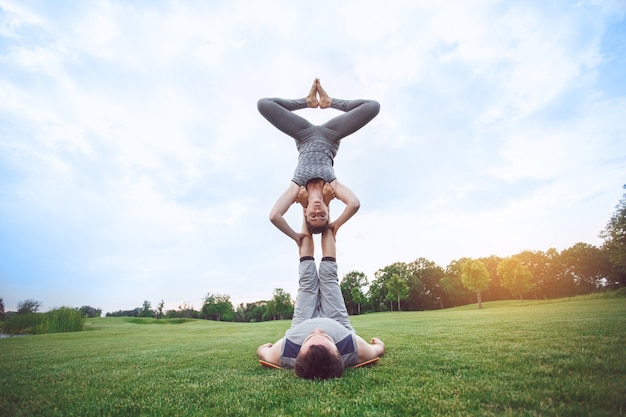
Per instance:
(318,337)
(316,213)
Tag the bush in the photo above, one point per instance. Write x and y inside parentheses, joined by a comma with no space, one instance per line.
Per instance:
(22,323)
(620,293)
(62,320)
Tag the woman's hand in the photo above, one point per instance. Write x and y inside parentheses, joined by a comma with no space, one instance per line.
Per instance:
(303,197)
(328,193)
(300,238)
(333,227)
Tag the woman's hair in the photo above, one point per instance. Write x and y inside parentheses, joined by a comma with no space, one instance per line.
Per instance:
(315,230)
(319,363)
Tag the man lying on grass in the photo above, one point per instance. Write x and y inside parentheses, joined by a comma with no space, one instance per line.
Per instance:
(321,341)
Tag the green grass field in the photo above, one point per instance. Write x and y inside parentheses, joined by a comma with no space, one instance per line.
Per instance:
(556,358)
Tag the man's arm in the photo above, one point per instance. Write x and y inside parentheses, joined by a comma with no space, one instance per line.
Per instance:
(351,201)
(280,208)
(367,351)
(270,352)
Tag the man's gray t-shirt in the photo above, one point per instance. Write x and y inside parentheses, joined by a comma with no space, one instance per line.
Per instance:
(344,339)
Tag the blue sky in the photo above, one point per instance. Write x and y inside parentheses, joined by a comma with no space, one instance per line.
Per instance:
(134,165)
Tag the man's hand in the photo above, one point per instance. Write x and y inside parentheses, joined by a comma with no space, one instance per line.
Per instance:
(261,348)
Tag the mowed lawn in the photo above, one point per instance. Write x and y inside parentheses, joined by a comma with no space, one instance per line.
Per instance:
(551,358)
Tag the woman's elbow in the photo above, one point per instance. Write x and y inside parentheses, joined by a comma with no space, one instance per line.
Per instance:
(274,217)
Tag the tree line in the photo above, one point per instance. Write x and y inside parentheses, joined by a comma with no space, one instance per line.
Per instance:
(219,307)
(424,285)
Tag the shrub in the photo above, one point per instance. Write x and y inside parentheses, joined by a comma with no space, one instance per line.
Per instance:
(22,323)
(62,320)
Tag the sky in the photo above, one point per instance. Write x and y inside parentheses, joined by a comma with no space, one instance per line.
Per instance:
(134,165)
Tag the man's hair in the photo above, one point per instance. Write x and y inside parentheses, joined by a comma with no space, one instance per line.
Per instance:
(319,363)
(315,230)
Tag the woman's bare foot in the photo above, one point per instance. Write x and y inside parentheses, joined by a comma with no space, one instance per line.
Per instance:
(324,98)
(311,99)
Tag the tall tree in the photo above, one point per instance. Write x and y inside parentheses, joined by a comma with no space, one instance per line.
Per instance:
(281,305)
(146,310)
(424,279)
(556,284)
(2,312)
(160,309)
(455,293)
(537,263)
(28,306)
(516,277)
(382,284)
(352,285)
(90,311)
(586,266)
(475,277)
(218,307)
(495,290)
(398,289)
(614,236)
(186,310)
(377,294)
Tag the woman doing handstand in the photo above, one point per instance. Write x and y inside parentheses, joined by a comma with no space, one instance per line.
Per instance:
(314,183)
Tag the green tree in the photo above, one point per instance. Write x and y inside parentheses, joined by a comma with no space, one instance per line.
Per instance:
(186,311)
(424,280)
(146,310)
(455,293)
(538,263)
(352,286)
(495,290)
(28,306)
(90,312)
(398,289)
(381,291)
(218,307)
(586,266)
(516,277)
(475,277)
(159,311)
(2,312)
(281,305)
(377,295)
(614,236)
(251,312)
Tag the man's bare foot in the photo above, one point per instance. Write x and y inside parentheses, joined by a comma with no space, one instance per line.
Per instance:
(324,98)
(311,99)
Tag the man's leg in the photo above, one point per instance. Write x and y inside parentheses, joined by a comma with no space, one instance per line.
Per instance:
(332,303)
(307,301)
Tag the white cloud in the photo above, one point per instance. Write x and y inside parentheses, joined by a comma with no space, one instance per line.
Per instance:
(130,133)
